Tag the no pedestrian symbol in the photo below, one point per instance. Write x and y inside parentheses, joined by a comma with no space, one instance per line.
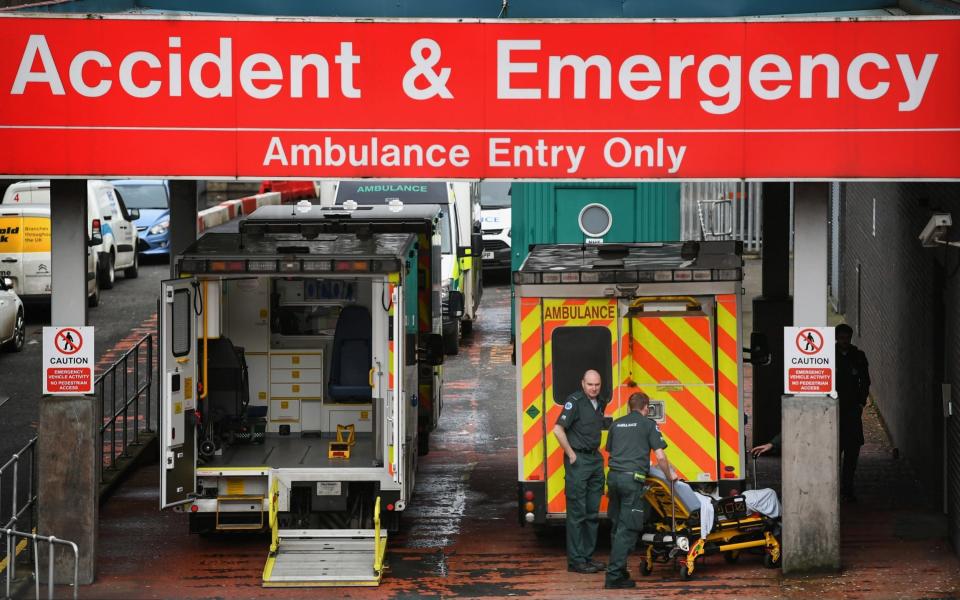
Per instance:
(68,341)
(808,361)
(809,341)
(68,361)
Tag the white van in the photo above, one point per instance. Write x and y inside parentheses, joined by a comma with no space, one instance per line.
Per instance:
(25,253)
(104,208)
(461,274)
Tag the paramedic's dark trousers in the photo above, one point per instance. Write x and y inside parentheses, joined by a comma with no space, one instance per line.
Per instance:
(583,482)
(626,517)
(850,454)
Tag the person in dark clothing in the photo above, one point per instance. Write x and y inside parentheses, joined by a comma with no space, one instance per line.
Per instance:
(629,442)
(578,432)
(853,389)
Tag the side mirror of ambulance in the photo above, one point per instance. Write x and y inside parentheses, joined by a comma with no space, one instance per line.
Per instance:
(456,303)
(7,284)
(433,349)
(133,214)
(476,241)
(759,349)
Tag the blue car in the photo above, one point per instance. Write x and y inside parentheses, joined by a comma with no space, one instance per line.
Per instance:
(152,198)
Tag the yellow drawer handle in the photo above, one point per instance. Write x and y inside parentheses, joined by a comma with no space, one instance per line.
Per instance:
(296,388)
(296,374)
(371,377)
(295,360)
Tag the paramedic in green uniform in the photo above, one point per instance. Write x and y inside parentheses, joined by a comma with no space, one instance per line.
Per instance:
(578,431)
(629,442)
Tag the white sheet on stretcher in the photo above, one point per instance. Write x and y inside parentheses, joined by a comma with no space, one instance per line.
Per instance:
(763,501)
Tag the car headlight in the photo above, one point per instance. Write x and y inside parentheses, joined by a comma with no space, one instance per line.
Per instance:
(445,291)
(159,228)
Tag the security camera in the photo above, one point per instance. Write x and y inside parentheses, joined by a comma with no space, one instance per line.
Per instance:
(936,228)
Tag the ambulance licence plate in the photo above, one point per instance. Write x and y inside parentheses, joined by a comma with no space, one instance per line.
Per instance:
(328,488)
(487,254)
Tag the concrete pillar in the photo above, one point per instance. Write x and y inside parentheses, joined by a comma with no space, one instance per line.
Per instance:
(183,217)
(773,310)
(811,424)
(68,251)
(810,222)
(811,504)
(68,457)
(68,466)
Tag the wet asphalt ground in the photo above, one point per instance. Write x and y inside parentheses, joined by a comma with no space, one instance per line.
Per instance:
(460,537)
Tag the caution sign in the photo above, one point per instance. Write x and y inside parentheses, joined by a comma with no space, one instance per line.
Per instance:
(67,360)
(809,362)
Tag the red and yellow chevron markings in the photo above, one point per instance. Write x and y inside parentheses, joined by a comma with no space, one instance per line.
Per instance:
(531,386)
(729,386)
(593,312)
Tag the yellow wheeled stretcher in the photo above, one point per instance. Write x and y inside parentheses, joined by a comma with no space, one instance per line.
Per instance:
(674,530)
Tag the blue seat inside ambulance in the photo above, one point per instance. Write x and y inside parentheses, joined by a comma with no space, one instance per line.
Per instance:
(351,360)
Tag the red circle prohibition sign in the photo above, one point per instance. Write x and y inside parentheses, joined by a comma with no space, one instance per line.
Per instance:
(65,341)
(809,341)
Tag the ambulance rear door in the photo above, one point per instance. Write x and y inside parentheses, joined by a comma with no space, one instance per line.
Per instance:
(178,366)
(671,356)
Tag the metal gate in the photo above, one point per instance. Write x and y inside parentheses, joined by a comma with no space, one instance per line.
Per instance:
(717,210)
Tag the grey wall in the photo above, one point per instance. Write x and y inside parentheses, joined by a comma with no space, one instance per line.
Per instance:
(906,317)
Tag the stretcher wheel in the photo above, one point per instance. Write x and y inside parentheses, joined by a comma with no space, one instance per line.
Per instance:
(685,572)
(769,563)
(644,569)
(731,556)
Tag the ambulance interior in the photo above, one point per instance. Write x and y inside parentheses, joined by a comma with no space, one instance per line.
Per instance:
(290,361)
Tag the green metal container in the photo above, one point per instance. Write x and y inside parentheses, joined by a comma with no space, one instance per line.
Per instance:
(547,213)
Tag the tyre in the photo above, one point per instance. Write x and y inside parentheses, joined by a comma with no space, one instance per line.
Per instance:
(108,274)
(423,443)
(466,327)
(731,557)
(19,334)
(768,561)
(685,572)
(94,298)
(644,569)
(133,271)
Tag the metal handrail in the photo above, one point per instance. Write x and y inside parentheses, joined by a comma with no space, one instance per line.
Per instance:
(11,534)
(16,511)
(143,348)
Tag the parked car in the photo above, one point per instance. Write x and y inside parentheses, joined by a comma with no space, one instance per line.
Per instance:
(13,328)
(495,223)
(152,198)
(106,212)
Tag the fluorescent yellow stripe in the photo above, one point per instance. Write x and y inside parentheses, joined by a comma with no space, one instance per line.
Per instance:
(728,323)
(533,459)
(530,370)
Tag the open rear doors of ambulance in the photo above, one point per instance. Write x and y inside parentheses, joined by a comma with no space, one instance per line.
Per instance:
(178,365)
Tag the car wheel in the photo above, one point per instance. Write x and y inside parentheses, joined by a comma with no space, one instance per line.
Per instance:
(109,273)
(466,327)
(19,334)
(94,299)
(131,272)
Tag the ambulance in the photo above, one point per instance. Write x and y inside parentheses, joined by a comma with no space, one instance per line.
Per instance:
(660,318)
(295,355)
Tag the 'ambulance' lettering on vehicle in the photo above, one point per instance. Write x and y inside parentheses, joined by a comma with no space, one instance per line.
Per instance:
(579,311)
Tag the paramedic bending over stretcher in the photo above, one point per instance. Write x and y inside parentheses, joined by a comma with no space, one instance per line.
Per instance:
(629,442)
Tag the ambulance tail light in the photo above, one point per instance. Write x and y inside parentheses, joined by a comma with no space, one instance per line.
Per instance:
(262,266)
(570,277)
(683,275)
(550,277)
(590,277)
(227,266)
(193,266)
(727,274)
(702,275)
(522,278)
(317,266)
(351,265)
(289,266)
(663,275)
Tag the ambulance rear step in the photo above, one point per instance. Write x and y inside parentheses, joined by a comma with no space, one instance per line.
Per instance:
(326,557)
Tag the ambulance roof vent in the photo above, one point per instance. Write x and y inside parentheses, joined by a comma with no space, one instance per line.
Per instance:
(595,220)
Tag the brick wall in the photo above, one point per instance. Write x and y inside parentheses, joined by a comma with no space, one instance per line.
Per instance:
(905,313)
